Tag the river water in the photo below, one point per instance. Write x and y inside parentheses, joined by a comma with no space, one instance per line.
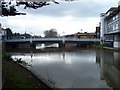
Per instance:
(83,68)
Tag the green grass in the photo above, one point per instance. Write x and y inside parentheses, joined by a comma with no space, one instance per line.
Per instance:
(16,77)
(100,46)
(13,78)
(18,82)
(6,56)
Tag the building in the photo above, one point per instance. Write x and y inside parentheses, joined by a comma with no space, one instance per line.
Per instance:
(82,35)
(110,27)
(97,32)
(2,32)
(85,35)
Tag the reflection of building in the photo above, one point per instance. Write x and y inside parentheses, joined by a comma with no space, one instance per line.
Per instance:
(110,67)
(110,27)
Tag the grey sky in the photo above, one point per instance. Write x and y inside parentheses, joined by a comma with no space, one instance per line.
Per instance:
(65,17)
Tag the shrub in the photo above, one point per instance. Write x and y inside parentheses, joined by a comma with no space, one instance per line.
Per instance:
(6,56)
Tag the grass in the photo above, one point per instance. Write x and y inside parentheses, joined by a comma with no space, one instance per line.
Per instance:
(6,56)
(15,76)
(16,81)
(99,46)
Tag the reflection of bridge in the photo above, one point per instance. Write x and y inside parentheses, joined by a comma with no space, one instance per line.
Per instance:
(60,41)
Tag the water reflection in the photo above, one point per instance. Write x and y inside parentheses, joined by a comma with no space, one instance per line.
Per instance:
(42,46)
(76,69)
(110,67)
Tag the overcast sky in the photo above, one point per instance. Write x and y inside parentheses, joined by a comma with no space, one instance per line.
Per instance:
(66,17)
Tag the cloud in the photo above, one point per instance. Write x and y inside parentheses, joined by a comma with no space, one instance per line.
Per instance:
(65,17)
(37,24)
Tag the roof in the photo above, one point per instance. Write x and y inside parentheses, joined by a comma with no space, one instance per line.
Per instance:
(114,12)
(111,9)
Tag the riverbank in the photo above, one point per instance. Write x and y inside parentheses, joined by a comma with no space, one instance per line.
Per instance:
(16,77)
(113,49)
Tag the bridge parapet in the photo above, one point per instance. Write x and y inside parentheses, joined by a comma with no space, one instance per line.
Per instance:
(54,39)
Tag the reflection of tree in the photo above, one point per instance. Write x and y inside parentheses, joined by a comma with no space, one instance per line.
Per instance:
(31,60)
(63,55)
(31,54)
(50,78)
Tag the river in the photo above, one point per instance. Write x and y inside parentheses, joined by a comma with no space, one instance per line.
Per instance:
(83,68)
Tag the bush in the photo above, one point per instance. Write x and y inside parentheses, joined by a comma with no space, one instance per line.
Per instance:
(6,56)
(100,46)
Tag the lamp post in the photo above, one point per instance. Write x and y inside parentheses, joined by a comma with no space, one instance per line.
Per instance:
(31,38)
(63,39)
(31,41)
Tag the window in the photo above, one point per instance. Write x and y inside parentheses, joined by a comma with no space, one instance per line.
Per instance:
(113,26)
(116,17)
(116,26)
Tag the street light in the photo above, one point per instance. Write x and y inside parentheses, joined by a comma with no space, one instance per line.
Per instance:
(31,39)
(63,39)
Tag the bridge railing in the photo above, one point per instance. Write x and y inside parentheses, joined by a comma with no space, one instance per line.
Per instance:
(53,39)
(81,39)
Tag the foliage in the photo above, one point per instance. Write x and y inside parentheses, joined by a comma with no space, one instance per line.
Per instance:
(8,32)
(100,46)
(8,9)
(6,56)
(52,33)
(36,36)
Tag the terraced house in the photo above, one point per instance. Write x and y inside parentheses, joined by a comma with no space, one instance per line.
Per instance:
(110,27)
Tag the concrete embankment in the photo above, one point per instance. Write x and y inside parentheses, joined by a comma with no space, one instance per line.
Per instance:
(113,49)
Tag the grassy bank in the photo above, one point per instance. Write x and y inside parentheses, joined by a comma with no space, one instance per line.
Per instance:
(99,46)
(15,76)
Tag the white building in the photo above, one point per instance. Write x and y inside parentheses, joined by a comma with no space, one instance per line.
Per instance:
(110,27)
(0,32)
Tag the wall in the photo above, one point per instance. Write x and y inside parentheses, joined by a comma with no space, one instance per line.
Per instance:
(116,41)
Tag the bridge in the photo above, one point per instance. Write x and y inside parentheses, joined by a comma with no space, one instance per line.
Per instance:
(53,40)
(60,41)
